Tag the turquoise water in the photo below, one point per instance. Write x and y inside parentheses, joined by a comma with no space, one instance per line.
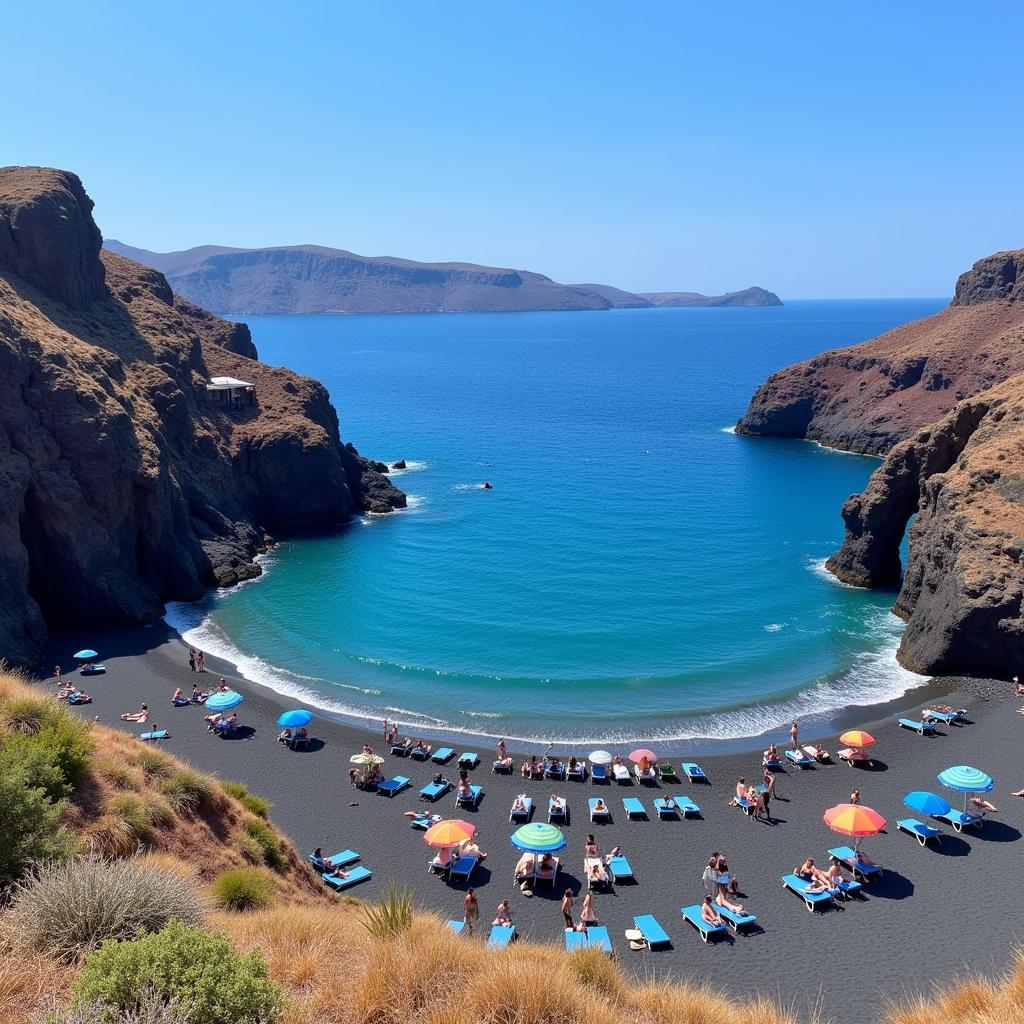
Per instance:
(637,569)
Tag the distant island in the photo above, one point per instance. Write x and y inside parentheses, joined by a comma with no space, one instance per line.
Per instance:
(317,279)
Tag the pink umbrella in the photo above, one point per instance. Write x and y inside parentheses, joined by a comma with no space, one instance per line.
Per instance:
(638,755)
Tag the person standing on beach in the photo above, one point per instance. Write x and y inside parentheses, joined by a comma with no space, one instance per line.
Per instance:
(567,901)
(56,676)
(855,797)
(766,793)
(794,735)
(200,662)
(470,910)
(501,750)
(710,872)
(191,659)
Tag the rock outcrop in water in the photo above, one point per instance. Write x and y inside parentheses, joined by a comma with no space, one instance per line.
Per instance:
(944,397)
(317,279)
(123,484)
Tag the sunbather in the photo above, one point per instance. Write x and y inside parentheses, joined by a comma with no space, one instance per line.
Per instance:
(501,751)
(708,914)
(723,901)
(600,807)
(573,764)
(588,916)
(547,867)
(301,735)
(567,899)
(504,764)
(664,803)
(557,804)
(519,805)
(555,766)
(284,736)
(645,766)
(590,848)
(525,867)
(424,747)
(834,876)
(367,750)
(595,870)
(771,755)
(982,804)
(467,848)
(820,753)
(808,871)
(741,789)
(465,790)
(444,858)
(137,716)
(79,697)
(213,719)
(503,915)
(316,858)
(531,767)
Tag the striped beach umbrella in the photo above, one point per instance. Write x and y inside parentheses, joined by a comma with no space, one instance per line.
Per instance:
(854,820)
(964,779)
(538,837)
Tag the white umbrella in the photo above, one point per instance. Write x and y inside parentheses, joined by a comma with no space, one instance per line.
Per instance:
(600,757)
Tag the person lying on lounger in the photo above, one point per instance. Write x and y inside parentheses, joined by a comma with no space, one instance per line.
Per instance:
(467,848)
(284,736)
(557,804)
(819,885)
(213,719)
(810,872)
(547,867)
(982,804)
(503,915)
(519,804)
(708,914)
(573,763)
(596,871)
(79,697)
(664,803)
(179,700)
(524,871)
(600,807)
(723,901)
(465,790)
(590,848)
(197,696)
(136,716)
(420,745)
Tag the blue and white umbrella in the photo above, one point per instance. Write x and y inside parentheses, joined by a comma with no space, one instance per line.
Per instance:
(224,701)
(926,803)
(295,719)
(965,779)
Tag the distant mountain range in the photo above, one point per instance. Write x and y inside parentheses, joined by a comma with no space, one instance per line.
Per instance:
(315,279)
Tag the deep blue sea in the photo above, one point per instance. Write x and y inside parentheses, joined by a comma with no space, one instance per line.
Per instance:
(637,570)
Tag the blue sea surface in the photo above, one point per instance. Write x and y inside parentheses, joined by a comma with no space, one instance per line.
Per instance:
(637,569)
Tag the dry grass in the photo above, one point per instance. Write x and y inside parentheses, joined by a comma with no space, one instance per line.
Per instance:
(27,982)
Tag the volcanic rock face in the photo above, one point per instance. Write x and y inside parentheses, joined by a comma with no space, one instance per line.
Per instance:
(123,485)
(945,398)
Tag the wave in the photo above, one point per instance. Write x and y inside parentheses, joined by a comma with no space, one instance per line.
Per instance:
(817,566)
(414,503)
(843,451)
(411,466)
(729,430)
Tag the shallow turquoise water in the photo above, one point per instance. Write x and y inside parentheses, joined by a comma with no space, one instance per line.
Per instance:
(637,569)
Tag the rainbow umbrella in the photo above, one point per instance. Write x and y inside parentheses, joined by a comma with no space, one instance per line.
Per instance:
(857,738)
(366,759)
(450,832)
(538,837)
(640,753)
(854,820)
(964,779)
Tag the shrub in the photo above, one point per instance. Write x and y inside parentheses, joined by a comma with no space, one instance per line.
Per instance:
(197,969)
(131,811)
(66,908)
(27,715)
(30,826)
(38,763)
(117,773)
(187,791)
(250,801)
(68,740)
(156,808)
(155,766)
(270,844)
(391,916)
(110,836)
(243,889)
(235,789)
(150,1009)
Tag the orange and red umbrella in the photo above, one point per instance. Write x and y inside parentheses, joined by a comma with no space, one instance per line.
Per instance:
(854,820)
(857,738)
(449,833)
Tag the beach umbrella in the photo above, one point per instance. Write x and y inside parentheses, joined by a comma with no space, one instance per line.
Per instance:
(224,701)
(640,753)
(450,832)
(857,738)
(964,779)
(854,820)
(538,837)
(85,654)
(600,757)
(294,719)
(926,803)
(366,759)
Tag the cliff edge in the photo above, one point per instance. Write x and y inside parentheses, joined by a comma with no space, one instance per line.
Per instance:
(124,485)
(943,397)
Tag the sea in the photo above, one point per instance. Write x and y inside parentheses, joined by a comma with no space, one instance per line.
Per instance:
(636,570)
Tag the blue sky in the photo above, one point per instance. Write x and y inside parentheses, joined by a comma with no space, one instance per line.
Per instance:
(821,150)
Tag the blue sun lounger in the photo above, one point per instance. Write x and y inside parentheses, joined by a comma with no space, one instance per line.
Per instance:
(949,717)
(619,869)
(598,936)
(666,807)
(692,914)
(598,773)
(799,758)
(686,806)
(524,814)
(463,867)
(158,734)
(424,820)
(653,933)
(442,754)
(921,728)
(919,830)
(734,920)
(389,787)
(501,935)
(475,792)
(634,807)
(961,819)
(457,926)
(605,815)
(694,772)
(360,873)
(559,812)
(811,899)
(432,790)
(339,860)
(861,869)
(469,759)
(575,940)
(744,804)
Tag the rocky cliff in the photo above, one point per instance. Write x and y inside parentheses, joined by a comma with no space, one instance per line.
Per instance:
(316,279)
(123,484)
(944,397)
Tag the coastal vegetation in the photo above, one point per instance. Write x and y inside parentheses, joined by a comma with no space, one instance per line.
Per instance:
(164,911)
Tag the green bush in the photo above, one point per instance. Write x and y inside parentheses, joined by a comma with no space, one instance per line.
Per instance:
(66,908)
(243,889)
(27,715)
(30,827)
(235,789)
(187,791)
(69,743)
(38,763)
(391,916)
(250,801)
(270,844)
(156,808)
(132,812)
(197,969)
(154,765)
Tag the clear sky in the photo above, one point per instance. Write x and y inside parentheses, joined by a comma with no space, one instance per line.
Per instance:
(817,149)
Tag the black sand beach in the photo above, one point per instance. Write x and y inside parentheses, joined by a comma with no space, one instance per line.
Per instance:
(936,912)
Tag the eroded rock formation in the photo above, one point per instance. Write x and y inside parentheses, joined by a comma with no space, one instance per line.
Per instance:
(123,484)
(945,398)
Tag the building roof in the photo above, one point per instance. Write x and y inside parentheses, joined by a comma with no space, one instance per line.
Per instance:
(225,383)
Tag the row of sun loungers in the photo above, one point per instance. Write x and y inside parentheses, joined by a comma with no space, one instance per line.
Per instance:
(595,935)
(634,807)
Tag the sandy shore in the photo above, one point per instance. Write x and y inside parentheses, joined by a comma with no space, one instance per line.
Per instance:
(935,913)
